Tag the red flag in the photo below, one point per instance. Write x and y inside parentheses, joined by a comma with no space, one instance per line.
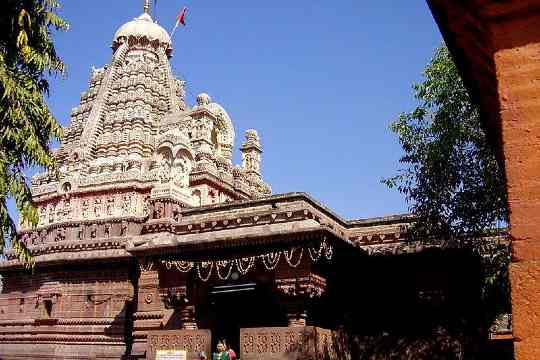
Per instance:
(182,16)
(180,19)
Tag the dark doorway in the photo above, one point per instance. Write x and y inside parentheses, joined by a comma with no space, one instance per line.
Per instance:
(241,305)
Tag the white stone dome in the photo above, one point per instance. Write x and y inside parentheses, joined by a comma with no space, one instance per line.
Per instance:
(143,26)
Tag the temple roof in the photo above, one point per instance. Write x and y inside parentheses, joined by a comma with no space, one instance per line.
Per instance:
(143,26)
(134,129)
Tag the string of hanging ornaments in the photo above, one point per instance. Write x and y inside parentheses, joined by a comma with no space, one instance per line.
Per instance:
(224,268)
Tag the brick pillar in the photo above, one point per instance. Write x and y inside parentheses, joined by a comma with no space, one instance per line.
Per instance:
(516,40)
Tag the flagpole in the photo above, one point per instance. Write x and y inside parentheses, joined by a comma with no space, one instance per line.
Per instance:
(174,29)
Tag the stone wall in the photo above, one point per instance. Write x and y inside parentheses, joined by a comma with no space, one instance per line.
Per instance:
(57,314)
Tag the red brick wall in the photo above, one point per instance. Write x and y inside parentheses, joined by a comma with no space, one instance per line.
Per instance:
(516,40)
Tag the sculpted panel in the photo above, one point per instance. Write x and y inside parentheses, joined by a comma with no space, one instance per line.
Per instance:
(194,342)
(281,343)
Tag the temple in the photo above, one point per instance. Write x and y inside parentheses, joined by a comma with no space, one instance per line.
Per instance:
(150,238)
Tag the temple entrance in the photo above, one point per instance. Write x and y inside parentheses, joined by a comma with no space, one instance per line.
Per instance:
(241,305)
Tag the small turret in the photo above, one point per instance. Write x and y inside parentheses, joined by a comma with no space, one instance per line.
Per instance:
(251,153)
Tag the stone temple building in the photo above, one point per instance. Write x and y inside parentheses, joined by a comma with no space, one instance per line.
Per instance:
(150,238)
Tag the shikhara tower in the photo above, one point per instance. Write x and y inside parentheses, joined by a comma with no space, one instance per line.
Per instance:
(134,139)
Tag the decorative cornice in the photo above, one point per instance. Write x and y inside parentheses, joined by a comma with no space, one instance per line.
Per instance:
(148,315)
(61,322)
(55,338)
(250,243)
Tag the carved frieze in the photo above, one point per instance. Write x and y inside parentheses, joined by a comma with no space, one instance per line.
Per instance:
(192,341)
(305,342)
(307,286)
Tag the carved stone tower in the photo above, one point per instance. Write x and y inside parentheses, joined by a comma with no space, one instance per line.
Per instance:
(251,157)
(134,140)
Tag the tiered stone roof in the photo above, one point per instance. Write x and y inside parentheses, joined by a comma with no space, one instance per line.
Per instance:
(133,138)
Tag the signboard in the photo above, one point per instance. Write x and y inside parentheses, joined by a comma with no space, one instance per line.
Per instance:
(171,355)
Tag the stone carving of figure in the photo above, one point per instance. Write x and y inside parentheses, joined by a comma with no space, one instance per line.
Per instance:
(97,207)
(204,130)
(176,215)
(107,230)
(93,231)
(84,209)
(110,205)
(43,237)
(42,215)
(123,229)
(67,209)
(164,172)
(60,211)
(180,173)
(126,204)
(248,162)
(51,213)
(146,206)
(60,235)
(158,210)
(36,238)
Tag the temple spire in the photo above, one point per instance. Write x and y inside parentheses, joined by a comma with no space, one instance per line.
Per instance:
(146,7)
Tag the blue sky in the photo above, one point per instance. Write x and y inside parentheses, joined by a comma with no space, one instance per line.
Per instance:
(319,80)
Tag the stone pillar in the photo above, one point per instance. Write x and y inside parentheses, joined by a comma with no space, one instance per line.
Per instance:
(295,306)
(148,297)
(149,311)
(177,302)
(295,294)
(187,315)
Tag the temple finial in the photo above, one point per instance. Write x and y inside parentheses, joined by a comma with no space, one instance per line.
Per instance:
(146,7)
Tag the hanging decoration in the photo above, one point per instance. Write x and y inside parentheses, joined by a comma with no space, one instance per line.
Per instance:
(243,270)
(289,256)
(271,260)
(205,265)
(223,264)
(224,268)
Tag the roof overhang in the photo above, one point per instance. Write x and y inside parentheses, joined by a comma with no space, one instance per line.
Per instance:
(234,243)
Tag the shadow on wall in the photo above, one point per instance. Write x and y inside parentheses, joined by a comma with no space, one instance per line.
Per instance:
(441,345)
(323,344)
(122,326)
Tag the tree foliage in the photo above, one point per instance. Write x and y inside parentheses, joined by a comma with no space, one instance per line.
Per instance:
(27,127)
(450,176)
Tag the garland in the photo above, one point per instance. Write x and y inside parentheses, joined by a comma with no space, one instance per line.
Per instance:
(224,268)
(205,264)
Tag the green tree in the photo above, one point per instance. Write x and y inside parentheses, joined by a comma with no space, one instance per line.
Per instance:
(27,58)
(450,176)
